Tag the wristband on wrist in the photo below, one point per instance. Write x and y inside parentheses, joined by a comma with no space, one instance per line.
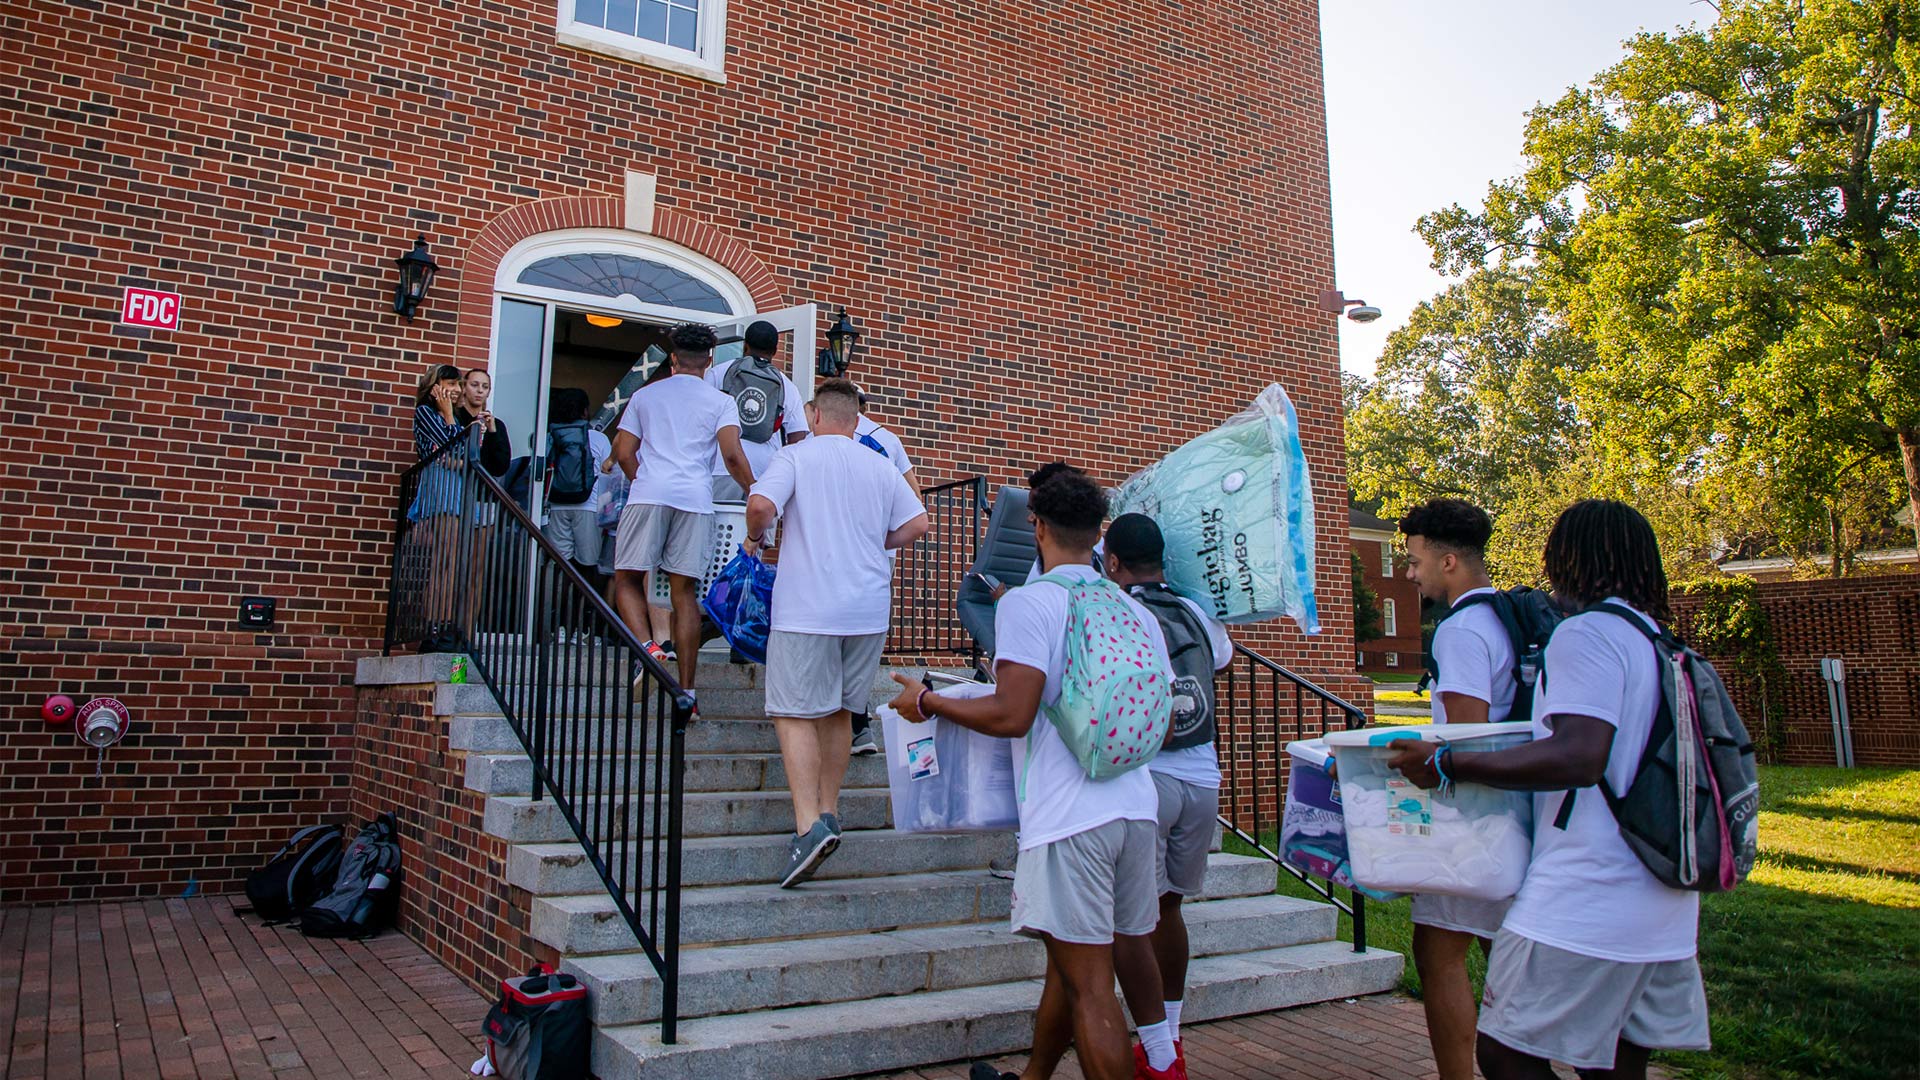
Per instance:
(920,704)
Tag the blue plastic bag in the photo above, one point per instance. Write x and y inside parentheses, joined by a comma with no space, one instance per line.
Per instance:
(740,603)
(1236,508)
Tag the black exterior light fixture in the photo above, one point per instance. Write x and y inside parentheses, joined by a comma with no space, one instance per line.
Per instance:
(417,269)
(843,340)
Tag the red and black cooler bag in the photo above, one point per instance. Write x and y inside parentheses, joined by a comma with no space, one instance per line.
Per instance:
(539,1030)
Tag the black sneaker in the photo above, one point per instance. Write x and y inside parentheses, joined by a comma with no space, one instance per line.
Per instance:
(983,1071)
(863,744)
(806,853)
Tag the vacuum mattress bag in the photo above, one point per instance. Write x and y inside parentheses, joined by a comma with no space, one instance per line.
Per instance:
(1236,508)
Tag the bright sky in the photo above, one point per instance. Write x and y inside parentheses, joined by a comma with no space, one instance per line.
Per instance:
(1425,104)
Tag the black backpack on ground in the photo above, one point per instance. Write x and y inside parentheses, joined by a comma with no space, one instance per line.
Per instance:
(1529,616)
(539,1029)
(759,397)
(571,458)
(366,892)
(1191,651)
(303,868)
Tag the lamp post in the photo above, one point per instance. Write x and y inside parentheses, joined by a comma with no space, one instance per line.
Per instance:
(417,270)
(843,340)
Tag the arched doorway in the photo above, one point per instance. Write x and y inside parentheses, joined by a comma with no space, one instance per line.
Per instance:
(589,308)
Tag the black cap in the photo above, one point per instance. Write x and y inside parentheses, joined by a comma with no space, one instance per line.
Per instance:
(762,337)
(1135,540)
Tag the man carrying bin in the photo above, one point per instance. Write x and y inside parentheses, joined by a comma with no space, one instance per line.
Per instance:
(1085,881)
(844,508)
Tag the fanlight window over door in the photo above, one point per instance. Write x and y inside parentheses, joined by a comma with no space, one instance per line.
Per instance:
(614,275)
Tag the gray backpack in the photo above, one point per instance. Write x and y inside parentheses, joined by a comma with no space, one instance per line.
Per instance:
(759,395)
(1191,652)
(366,893)
(1692,813)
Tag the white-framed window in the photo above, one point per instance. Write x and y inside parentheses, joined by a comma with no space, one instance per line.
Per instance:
(1389,624)
(1386,558)
(1393,659)
(687,36)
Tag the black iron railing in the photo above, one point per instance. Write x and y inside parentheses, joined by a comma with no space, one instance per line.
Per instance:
(927,575)
(1260,708)
(604,722)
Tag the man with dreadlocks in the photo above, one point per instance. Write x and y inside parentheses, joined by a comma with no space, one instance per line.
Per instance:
(1596,963)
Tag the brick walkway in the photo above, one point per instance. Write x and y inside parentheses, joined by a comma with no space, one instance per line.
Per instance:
(177,989)
(186,988)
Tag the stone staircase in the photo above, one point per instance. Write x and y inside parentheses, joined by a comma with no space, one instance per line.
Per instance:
(897,955)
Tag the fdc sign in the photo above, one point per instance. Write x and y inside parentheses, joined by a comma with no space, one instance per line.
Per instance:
(144,307)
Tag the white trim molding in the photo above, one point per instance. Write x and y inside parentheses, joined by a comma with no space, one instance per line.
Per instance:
(621,242)
(706,61)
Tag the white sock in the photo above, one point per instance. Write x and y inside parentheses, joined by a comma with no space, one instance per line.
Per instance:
(1173,1020)
(1158,1040)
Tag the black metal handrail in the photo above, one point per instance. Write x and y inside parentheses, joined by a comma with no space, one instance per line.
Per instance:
(1255,725)
(929,573)
(604,723)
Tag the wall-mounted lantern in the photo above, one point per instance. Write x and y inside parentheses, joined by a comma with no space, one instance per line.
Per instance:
(417,269)
(843,340)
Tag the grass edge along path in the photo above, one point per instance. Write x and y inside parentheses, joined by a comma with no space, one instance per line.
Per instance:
(1812,966)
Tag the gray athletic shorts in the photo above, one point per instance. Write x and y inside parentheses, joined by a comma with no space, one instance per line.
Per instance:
(815,675)
(575,530)
(660,537)
(1187,818)
(1564,1006)
(1087,887)
(1481,918)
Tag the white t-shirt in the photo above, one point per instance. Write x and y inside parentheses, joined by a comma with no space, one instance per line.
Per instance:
(678,421)
(1586,892)
(1030,629)
(1199,765)
(792,422)
(839,501)
(1475,658)
(1099,559)
(896,450)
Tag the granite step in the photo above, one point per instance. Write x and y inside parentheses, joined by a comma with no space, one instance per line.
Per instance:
(512,773)
(594,703)
(492,734)
(562,869)
(725,979)
(854,1037)
(519,819)
(590,923)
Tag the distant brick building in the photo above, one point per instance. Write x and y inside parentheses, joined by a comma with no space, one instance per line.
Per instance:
(1087,231)
(1399,648)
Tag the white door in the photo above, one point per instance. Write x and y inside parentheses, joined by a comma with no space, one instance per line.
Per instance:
(522,372)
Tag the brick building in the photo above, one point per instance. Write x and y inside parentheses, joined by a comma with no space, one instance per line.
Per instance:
(1086,231)
(1398,649)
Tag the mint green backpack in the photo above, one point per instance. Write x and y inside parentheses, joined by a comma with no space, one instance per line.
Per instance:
(1116,701)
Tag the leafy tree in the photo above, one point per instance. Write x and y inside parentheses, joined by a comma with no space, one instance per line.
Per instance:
(1369,619)
(1731,218)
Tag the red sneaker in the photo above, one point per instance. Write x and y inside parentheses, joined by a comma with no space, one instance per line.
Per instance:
(1144,1071)
(1180,1057)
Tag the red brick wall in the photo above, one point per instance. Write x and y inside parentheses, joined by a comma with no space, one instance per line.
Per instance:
(454,898)
(1404,643)
(1087,231)
(1870,623)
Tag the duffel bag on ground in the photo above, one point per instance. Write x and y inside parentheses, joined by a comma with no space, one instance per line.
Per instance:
(539,1029)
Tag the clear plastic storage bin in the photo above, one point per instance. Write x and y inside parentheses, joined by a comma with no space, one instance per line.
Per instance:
(1474,842)
(1313,832)
(948,779)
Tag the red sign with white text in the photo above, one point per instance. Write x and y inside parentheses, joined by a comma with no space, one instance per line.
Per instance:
(144,307)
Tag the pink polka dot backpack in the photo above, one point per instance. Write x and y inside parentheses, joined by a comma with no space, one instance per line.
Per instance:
(1116,699)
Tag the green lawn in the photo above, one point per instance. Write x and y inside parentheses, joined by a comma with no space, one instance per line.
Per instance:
(1394,678)
(1813,964)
